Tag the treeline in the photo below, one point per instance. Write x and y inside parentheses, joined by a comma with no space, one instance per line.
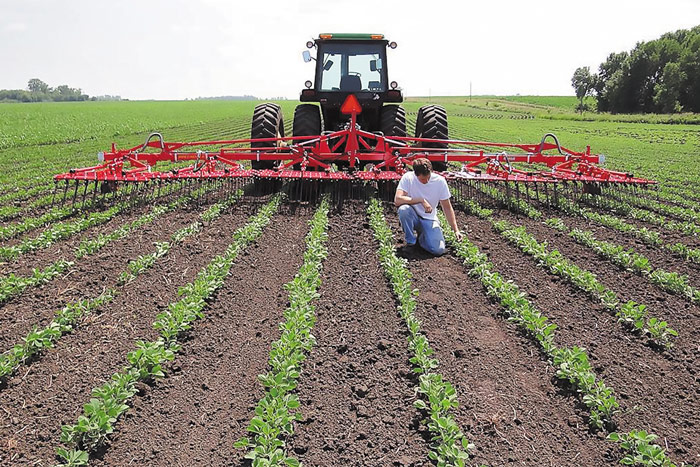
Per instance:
(659,76)
(39,91)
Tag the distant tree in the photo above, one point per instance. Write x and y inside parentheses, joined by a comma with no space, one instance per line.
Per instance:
(606,70)
(37,85)
(668,90)
(583,82)
(639,81)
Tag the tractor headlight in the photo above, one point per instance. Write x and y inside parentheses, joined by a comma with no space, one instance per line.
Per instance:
(308,84)
(392,45)
(394,85)
(310,45)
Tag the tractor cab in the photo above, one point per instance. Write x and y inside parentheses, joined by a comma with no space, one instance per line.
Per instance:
(350,64)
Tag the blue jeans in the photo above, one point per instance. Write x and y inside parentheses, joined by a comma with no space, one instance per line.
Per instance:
(429,232)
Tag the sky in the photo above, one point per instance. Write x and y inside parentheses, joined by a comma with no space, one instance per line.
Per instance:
(179,49)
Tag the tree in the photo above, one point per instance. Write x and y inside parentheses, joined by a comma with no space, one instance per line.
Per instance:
(668,90)
(36,85)
(583,82)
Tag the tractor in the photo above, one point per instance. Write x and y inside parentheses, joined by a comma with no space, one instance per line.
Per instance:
(350,64)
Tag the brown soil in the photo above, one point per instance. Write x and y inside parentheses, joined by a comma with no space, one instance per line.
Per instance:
(511,407)
(87,278)
(657,392)
(51,391)
(194,415)
(356,388)
(65,249)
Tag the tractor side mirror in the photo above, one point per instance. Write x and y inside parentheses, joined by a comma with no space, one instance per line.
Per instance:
(327,66)
(375,65)
(307,56)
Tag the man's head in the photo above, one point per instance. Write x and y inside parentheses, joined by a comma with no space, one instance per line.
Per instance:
(422,168)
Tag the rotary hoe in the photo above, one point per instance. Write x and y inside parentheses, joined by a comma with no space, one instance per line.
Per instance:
(349,136)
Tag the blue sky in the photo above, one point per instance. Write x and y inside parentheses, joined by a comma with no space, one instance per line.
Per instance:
(183,49)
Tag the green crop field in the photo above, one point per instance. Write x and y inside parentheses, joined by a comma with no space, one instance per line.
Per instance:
(194,323)
(69,134)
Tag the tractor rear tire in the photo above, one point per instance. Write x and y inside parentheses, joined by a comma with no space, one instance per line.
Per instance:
(267,123)
(392,120)
(431,122)
(307,120)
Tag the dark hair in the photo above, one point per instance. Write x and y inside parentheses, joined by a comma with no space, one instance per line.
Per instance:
(422,166)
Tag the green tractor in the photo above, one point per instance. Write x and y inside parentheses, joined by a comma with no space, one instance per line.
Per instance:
(349,64)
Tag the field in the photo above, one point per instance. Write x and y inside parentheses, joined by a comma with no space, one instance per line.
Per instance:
(206,326)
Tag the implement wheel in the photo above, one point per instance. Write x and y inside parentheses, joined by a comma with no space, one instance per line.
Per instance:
(267,123)
(431,122)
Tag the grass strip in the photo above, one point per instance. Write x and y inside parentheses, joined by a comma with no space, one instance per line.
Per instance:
(276,412)
(448,445)
(145,362)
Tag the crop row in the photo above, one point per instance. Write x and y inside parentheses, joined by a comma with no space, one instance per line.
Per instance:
(557,264)
(66,319)
(572,364)
(647,236)
(554,262)
(686,214)
(449,446)
(644,215)
(64,230)
(61,231)
(671,282)
(275,413)
(515,204)
(13,285)
(145,363)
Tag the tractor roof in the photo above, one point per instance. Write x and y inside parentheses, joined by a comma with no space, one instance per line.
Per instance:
(350,36)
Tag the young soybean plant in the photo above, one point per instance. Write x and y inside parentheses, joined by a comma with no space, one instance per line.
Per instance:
(275,413)
(449,446)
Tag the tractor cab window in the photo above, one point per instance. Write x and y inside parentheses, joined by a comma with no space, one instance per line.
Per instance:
(352,68)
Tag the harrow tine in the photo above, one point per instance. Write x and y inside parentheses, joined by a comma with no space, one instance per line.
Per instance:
(84,193)
(53,195)
(65,191)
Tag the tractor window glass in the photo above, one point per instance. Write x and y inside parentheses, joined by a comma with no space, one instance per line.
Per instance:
(352,68)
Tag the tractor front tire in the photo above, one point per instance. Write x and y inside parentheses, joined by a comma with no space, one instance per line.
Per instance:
(267,123)
(392,120)
(431,122)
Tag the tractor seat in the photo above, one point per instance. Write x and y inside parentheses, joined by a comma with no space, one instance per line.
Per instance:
(350,83)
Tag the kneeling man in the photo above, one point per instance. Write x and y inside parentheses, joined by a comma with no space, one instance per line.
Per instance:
(417,198)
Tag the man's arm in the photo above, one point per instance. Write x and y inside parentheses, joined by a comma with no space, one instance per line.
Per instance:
(402,198)
(450,215)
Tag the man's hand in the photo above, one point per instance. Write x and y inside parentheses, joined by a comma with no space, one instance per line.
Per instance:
(428,208)
(459,235)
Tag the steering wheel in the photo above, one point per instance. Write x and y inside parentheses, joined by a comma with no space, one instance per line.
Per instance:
(355,73)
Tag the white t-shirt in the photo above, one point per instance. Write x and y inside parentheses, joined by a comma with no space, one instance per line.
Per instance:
(434,191)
